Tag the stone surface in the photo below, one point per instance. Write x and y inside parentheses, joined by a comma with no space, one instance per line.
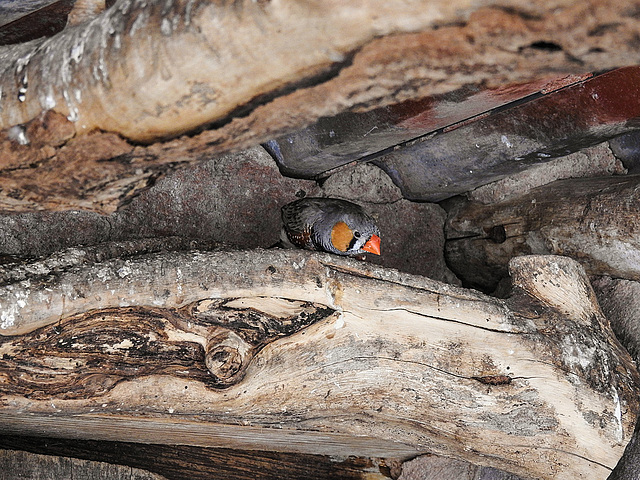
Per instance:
(429,467)
(232,198)
(627,149)
(364,182)
(590,162)
(235,199)
(413,238)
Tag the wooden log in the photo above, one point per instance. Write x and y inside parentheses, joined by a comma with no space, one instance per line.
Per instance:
(17,464)
(237,53)
(126,71)
(40,19)
(593,220)
(378,363)
(176,462)
(242,84)
(620,302)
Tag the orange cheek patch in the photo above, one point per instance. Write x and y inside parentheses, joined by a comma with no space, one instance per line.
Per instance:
(341,236)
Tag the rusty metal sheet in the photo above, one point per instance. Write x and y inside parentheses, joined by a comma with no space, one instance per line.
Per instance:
(28,20)
(335,141)
(556,119)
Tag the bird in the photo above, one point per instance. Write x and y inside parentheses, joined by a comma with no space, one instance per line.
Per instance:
(329,225)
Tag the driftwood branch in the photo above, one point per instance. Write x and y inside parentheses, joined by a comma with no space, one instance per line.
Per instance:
(222,336)
(372,361)
(153,69)
(149,70)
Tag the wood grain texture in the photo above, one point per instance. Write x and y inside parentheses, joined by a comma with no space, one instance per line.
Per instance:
(17,465)
(87,355)
(239,52)
(536,385)
(620,302)
(177,462)
(122,73)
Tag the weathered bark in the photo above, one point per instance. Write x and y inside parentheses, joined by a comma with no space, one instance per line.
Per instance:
(394,364)
(152,69)
(85,10)
(126,72)
(594,220)
(225,336)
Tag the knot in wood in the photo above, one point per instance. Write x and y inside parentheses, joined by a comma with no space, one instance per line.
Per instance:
(227,356)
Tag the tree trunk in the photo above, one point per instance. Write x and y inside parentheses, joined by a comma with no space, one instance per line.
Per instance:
(286,350)
(594,220)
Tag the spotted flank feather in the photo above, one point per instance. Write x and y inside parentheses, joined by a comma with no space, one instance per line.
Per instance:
(296,230)
(301,239)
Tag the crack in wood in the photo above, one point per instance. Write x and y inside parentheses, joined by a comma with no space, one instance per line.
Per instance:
(361,365)
(566,452)
(486,379)
(452,320)
(371,275)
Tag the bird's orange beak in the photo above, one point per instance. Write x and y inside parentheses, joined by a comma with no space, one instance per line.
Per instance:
(372,245)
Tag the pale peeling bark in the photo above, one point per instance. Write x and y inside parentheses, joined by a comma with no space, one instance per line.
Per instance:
(389,365)
(155,69)
(248,72)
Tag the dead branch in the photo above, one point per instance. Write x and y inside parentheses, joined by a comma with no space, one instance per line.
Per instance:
(377,360)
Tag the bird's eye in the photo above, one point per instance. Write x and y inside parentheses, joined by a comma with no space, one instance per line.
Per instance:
(356,234)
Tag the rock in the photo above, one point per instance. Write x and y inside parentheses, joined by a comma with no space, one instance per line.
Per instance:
(590,162)
(430,467)
(234,198)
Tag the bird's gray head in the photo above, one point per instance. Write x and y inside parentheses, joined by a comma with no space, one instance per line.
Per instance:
(349,233)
